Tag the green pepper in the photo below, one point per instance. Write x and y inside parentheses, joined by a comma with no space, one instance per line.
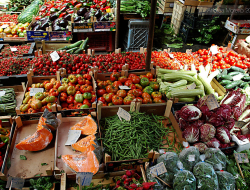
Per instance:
(4,139)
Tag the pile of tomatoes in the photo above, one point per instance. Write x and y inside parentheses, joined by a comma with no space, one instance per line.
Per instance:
(142,88)
(9,18)
(13,66)
(76,92)
(21,49)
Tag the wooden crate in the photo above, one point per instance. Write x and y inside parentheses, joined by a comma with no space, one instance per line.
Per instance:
(242,47)
(48,47)
(32,166)
(235,28)
(30,53)
(169,5)
(168,10)
(177,16)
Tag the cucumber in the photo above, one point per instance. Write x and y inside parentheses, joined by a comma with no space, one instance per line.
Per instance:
(225,82)
(246,78)
(237,69)
(247,85)
(243,84)
(234,73)
(77,44)
(78,51)
(233,84)
(84,43)
(224,72)
(72,50)
(226,77)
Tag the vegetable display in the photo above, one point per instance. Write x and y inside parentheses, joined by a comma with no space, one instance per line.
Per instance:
(9,18)
(226,180)
(139,7)
(8,102)
(137,136)
(20,2)
(170,160)
(189,157)
(21,49)
(15,30)
(4,140)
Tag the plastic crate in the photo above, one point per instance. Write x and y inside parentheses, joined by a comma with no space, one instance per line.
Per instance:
(195,21)
(188,33)
(137,35)
(99,41)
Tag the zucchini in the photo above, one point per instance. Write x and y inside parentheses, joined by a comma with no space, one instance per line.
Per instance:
(187,99)
(233,84)
(178,84)
(185,93)
(172,77)
(246,78)
(224,72)
(84,43)
(166,71)
(207,87)
(225,82)
(72,50)
(77,44)
(243,84)
(234,73)
(237,69)
(226,77)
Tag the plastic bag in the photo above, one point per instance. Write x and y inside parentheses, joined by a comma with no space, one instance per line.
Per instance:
(205,175)
(170,160)
(226,180)
(189,156)
(215,156)
(184,179)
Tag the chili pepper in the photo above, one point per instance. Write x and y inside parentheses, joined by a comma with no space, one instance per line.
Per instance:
(103,2)
(102,9)
(56,7)
(2,144)
(74,2)
(70,11)
(43,8)
(78,5)
(53,10)
(38,17)
(63,8)
(62,15)
(48,14)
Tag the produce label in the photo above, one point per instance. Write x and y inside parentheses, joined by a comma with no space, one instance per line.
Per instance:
(214,50)
(158,169)
(85,178)
(13,49)
(238,77)
(60,35)
(73,136)
(124,88)
(239,124)
(4,26)
(2,93)
(212,102)
(192,86)
(82,27)
(17,182)
(191,158)
(54,56)
(171,55)
(33,91)
(123,114)
(37,35)
(104,26)
(241,158)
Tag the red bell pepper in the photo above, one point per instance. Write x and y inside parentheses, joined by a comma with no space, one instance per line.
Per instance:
(37,18)
(73,2)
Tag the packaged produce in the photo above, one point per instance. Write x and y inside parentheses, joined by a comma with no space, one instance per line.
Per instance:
(166,177)
(205,175)
(170,160)
(189,156)
(226,180)
(184,179)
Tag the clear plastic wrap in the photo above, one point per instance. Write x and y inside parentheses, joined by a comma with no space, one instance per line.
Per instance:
(189,156)
(226,180)
(184,179)
(205,176)
(215,156)
(170,160)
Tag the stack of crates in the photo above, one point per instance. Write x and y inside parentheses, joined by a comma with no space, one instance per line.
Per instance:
(137,35)
(177,16)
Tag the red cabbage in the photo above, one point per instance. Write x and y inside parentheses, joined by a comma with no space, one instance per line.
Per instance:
(216,120)
(190,113)
(201,146)
(191,134)
(224,111)
(242,102)
(232,98)
(177,115)
(197,123)
(236,131)
(183,124)
(207,132)
(229,124)
(223,135)
(210,143)
(237,112)
(206,113)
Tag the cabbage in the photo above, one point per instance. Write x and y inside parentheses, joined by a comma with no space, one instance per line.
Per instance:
(211,142)
(237,112)
(191,134)
(207,132)
(190,113)
(223,135)
(201,146)
(230,124)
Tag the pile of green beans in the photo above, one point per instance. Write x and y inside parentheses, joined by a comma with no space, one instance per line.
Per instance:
(125,140)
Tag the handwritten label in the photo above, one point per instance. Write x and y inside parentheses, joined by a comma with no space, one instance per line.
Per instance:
(2,93)
(192,86)
(238,77)
(33,91)
(171,55)
(214,50)
(85,178)
(123,114)
(124,88)
(4,26)
(158,169)
(239,124)
(17,182)
(212,102)
(13,49)
(241,158)
(191,158)
(73,136)
(54,56)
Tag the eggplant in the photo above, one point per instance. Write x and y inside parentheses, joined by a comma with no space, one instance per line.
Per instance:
(36,28)
(63,23)
(78,18)
(82,11)
(87,15)
(57,21)
(58,28)
(35,23)
(54,16)
(98,14)
(45,25)
(103,18)
(67,17)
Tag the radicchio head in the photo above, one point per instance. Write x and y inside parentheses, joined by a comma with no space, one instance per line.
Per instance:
(191,134)
(190,113)
(223,135)
(207,132)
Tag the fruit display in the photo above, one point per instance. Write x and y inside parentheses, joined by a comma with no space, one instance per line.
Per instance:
(9,18)
(20,2)
(15,30)
(41,100)
(141,88)
(77,92)
(21,49)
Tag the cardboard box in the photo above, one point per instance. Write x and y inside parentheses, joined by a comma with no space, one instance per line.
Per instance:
(235,28)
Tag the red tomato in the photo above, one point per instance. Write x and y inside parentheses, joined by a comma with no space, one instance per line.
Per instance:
(114,76)
(123,79)
(127,100)
(128,83)
(149,75)
(135,79)
(121,93)
(147,100)
(87,102)
(101,99)
(116,100)
(145,95)
(117,84)
(111,89)
(100,92)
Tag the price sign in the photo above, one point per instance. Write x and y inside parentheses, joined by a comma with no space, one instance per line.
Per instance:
(124,87)
(73,136)
(85,178)
(54,56)
(191,158)
(212,102)
(123,114)
(171,55)
(2,93)
(13,49)
(241,158)
(239,124)
(214,50)
(192,86)
(238,77)
(158,169)
(33,91)
(4,26)
(17,182)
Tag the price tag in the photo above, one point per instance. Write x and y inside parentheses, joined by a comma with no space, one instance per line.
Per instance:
(238,77)
(192,86)
(191,158)
(17,182)
(212,102)
(124,88)
(241,158)
(4,26)
(33,91)
(73,136)
(239,124)
(171,55)
(158,169)
(123,114)
(85,178)
(54,56)
(13,49)
(2,93)
(214,50)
